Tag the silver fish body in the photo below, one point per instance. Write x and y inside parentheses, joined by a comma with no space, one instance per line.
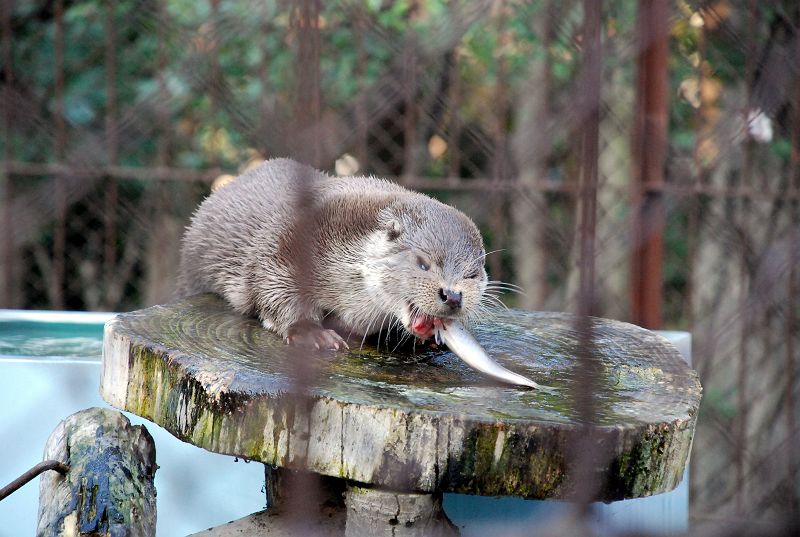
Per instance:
(466,347)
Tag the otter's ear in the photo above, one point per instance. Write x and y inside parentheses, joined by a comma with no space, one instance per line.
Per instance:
(390,222)
(393,228)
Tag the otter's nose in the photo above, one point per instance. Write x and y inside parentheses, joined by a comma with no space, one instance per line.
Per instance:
(450,298)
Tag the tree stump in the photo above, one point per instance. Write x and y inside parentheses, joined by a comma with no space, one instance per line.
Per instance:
(380,513)
(109,487)
(421,423)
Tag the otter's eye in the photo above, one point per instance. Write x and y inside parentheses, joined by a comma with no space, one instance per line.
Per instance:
(474,276)
(422,264)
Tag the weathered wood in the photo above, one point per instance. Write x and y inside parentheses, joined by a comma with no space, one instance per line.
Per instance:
(329,524)
(423,422)
(109,489)
(316,492)
(370,512)
(384,513)
(299,504)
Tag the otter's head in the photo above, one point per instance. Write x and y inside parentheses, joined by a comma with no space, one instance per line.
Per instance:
(430,264)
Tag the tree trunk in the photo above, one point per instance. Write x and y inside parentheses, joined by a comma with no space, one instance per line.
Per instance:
(373,512)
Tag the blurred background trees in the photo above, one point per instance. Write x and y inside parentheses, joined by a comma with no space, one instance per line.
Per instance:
(118,116)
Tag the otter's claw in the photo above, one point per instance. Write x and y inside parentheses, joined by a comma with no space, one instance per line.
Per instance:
(307,334)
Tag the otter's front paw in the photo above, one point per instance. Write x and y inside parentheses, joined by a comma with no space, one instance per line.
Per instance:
(310,334)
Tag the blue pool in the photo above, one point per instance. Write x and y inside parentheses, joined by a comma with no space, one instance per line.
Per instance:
(50,368)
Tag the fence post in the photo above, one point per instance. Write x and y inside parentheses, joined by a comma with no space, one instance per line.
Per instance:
(649,149)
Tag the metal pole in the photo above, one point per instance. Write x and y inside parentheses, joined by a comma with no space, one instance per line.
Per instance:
(698,180)
(215,82)
(308,98)
(585,454)
(649,152)
(745,313)
(112,145)
(361,98)
(499,162)
(454,104)
(792,327)
(59,232)
(701,190)
(7,298)
(589,147)
(409,96)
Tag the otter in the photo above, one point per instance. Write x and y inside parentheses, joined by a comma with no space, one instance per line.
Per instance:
(380,256)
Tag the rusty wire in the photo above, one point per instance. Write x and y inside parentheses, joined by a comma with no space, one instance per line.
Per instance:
(32,474)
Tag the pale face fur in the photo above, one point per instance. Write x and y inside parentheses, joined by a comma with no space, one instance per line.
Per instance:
(421,251)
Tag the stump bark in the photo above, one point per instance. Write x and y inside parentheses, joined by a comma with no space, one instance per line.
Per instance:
(109,489)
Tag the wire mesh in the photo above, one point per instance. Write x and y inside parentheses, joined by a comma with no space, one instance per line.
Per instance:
(118,118)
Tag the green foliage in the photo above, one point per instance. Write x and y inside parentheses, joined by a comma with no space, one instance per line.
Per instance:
(254,46)
(228,86)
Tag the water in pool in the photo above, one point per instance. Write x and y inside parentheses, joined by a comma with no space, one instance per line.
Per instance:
(50,368)
(59,341)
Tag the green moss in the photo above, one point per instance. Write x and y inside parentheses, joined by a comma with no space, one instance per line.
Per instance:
(484,450)
(502,452)
(639,470)
(253,432)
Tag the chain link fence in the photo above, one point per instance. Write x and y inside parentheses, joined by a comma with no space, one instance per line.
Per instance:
(119,117)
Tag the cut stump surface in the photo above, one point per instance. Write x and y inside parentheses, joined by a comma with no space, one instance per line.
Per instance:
(410,422)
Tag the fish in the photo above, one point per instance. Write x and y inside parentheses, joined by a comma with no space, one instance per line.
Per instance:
(464,345)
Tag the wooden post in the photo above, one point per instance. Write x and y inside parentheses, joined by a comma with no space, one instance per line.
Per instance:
(109,488)
(375,512)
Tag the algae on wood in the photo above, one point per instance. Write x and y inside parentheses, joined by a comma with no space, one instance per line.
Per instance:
(109,487)
(409,422)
